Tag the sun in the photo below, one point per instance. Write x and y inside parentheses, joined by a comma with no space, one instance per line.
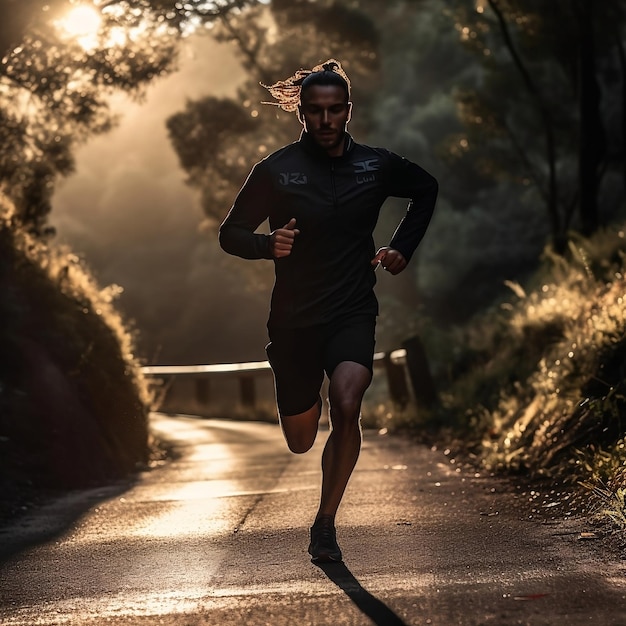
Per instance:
(81,23)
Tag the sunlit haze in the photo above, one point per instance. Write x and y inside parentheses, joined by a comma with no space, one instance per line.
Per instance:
(128,211)
(81,23)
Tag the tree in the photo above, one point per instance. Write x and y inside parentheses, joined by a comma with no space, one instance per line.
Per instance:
(218,140)
(54,84)
(541,114)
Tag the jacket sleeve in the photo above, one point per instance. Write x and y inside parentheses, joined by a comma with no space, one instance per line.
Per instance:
(409,180)
(237,234)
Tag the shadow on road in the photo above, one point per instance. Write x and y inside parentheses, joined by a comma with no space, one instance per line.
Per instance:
(53,515)
(371,606)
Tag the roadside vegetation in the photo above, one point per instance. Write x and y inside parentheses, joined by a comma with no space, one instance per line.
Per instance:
(73,404)
(535,385)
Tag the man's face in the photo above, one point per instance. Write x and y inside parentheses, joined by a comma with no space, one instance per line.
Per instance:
(324,113)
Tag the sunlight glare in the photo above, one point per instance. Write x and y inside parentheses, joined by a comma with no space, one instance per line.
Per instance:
(81,23)
(117,38)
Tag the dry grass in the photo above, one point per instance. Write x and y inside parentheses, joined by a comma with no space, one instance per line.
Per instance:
(574,322)
(536,384)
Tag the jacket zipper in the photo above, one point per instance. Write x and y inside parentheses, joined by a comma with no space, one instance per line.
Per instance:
(333,187)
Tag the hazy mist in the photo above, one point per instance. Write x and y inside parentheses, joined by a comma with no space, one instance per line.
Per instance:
(129,214)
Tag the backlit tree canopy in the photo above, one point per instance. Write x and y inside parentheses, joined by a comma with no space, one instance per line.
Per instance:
(218,140)
(59,62)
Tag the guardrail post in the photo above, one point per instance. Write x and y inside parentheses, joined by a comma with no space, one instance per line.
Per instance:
(247,391)
(419,372)
(203,391)
(396,381)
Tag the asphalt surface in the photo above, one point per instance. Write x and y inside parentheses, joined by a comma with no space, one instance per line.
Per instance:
(218,535)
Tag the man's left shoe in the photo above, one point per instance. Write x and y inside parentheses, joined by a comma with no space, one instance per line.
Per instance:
(323,547)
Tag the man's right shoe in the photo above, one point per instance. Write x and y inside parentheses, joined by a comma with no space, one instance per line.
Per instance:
(323,547)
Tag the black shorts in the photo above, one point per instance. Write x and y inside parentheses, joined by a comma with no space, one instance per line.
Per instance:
(300,356)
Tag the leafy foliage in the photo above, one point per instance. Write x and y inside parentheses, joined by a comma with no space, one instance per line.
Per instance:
(477,219)
(542,113)
(54,88)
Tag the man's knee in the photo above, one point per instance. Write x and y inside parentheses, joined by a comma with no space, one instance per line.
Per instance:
(347,410)
(300,430)
(299,445)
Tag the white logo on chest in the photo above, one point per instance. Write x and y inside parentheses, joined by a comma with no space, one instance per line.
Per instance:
(361,169)
(293,178)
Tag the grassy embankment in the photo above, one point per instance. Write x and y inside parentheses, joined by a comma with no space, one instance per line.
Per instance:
(536,385)
(73,406)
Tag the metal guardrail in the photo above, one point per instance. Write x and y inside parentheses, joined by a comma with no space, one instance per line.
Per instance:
(215,368)
(397,356)
(202,397)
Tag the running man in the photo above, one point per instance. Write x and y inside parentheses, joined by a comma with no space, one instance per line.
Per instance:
(322,196)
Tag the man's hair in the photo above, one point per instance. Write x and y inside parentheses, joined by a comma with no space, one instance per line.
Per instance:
(288,92)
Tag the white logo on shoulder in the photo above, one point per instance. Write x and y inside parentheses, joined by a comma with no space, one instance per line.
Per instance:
(362,169)
(293,178)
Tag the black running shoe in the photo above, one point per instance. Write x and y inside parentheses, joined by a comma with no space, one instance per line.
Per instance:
(323,547)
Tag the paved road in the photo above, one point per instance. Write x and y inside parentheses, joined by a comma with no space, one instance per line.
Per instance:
(219,536)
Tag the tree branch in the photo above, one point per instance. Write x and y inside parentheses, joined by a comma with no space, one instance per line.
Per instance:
(553,209)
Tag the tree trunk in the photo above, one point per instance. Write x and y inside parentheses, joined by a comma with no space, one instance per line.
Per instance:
(592,148)
(621,55)
(559,237)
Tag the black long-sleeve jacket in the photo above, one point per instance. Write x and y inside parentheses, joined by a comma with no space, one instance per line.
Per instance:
(336,202)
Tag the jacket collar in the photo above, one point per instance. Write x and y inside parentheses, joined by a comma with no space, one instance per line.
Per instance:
(309,145)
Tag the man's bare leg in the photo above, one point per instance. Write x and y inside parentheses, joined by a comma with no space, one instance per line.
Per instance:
(348,384)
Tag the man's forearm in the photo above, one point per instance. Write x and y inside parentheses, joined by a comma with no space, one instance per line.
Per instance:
(412,228)
(241,242)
